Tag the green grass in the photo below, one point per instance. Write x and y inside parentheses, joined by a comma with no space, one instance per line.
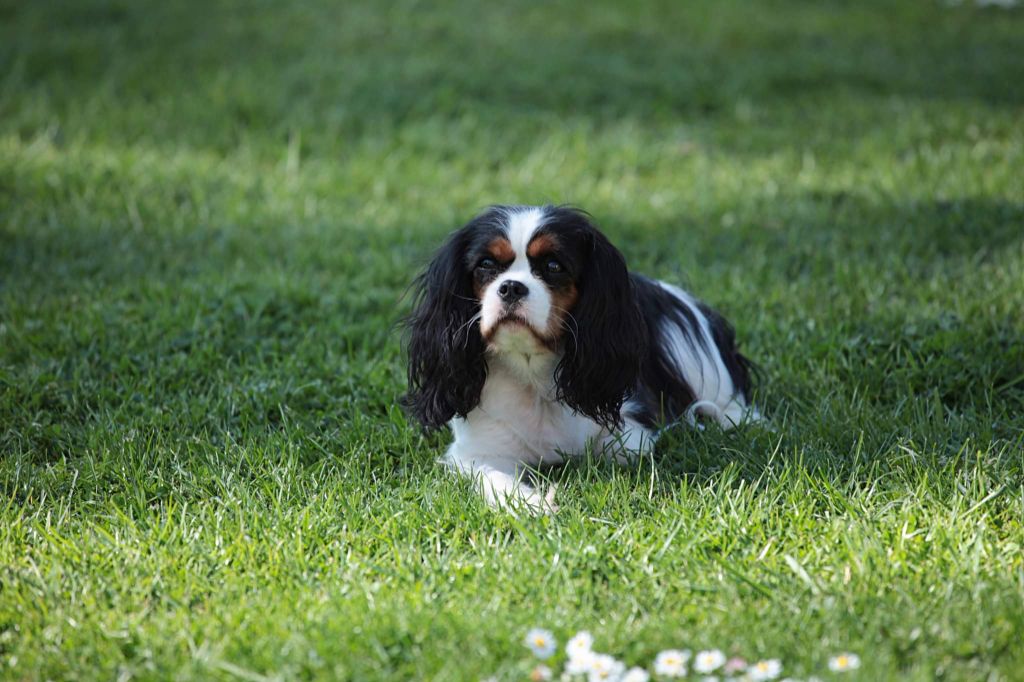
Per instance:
(209,213)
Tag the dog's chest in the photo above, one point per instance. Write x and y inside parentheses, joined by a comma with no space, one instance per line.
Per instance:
(524,417)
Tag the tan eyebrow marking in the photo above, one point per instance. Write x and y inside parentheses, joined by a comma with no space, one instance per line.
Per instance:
(501,250)
(540,245)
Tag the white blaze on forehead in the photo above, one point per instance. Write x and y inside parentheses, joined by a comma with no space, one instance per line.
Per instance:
(522,224)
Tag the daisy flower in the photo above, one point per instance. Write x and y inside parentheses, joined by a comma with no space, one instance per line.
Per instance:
(671,663)
(636,675)
(604,668)
(708,661)
(844,663)
(765,670)
(579,645)
(580,664)
(541,642)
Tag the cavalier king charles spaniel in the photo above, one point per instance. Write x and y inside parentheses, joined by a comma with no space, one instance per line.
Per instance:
(531,340)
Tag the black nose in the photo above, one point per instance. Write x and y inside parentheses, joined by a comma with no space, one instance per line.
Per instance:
(511,291)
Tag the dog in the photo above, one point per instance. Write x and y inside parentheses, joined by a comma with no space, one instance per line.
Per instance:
(531,340)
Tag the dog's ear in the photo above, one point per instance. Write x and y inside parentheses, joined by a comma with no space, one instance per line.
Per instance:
(601,363)
(447,367)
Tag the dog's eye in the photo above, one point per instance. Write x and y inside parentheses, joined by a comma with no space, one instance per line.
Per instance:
(487,264)
(553,266)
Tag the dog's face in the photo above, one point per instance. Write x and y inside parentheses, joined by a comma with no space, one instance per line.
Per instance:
(525,277)
(525,280)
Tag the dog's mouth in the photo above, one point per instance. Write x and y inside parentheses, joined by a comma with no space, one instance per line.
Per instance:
(514,323)
(510,322)
(513,319)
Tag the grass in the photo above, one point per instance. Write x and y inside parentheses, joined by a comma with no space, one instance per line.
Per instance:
(209,213)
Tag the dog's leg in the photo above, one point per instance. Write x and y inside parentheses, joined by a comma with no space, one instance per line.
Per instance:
(500,481)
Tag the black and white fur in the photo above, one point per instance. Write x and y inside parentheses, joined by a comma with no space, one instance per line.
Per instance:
(531,340)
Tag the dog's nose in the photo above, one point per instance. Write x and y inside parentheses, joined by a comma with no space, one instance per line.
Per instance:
(511,291)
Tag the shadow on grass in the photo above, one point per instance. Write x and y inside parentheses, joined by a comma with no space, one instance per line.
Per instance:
(257,334)
(807,235)
(818,234)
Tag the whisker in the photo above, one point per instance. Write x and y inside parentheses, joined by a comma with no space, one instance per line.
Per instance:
(571,330)
(567,315)
(467,325)
(563,310)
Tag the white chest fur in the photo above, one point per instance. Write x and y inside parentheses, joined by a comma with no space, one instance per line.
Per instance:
(518,419)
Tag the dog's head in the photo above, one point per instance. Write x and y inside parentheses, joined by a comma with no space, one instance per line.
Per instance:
(529,281)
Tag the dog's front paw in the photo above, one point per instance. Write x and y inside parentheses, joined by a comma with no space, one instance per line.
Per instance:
(541,505)
(504,492)
(527,500)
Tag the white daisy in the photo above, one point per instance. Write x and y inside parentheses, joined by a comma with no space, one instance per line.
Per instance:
(671,663)
(581,663)
(636,675)
(708,661)
(604,668)
(579,645)
(765,670)
(844,663)
(541,643)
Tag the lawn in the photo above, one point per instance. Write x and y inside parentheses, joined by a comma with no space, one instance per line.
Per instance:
(210,213)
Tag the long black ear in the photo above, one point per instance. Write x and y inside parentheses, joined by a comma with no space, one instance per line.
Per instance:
(602,360)
(447,368)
